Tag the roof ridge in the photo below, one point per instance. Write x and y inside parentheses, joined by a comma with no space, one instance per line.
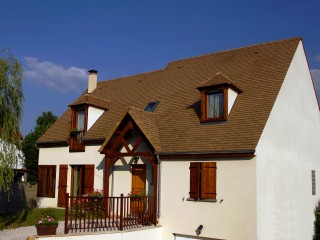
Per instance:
(235,49)
(131,76)
(199,56)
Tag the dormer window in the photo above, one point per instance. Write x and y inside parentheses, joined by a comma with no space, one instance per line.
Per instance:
(80,119)
(217,97)
(215,105)
(78,128)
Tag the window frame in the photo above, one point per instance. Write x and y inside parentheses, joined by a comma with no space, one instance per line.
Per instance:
(44,187)
(74,120)
(200,187)
(204,104)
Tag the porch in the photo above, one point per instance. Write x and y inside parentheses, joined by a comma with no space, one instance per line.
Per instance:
(95,214)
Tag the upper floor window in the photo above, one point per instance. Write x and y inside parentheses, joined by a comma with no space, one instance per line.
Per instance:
(80,119)
(218,95)
(215,105)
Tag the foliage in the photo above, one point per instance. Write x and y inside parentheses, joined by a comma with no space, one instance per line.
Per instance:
(95,194)
(90,204)
(316,235)
(11,102)
(135,193)
(29,149)
(48,217)
(25,217)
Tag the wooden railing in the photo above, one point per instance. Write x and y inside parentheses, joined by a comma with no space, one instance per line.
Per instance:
(92,214)
(76,142)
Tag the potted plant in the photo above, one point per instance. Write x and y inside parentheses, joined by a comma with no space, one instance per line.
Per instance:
(74,132)
(47,224)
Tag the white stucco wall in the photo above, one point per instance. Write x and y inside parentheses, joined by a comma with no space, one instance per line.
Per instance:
(93,115)
(147,233)
(232,95)
(61,155)
(232,217)
(286,153)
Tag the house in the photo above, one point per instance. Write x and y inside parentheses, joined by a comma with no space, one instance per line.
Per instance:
(227,143)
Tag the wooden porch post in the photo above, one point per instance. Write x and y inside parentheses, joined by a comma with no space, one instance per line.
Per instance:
(66,230)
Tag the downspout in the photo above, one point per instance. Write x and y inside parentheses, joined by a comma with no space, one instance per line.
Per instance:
(159,185)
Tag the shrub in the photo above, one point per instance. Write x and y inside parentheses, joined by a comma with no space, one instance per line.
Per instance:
(316,235)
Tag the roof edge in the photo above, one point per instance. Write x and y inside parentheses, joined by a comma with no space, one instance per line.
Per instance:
(205,154)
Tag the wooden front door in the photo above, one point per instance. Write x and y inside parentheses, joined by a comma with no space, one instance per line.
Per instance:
(139,175)
(62,189)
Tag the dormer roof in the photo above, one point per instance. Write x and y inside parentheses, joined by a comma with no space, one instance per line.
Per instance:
(217,80)
(87,99)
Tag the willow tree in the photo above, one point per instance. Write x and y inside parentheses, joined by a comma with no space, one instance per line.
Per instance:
(11,101)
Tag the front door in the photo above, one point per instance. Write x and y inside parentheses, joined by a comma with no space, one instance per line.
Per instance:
(139,175)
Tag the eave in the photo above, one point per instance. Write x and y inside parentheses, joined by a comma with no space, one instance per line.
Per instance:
(208,154)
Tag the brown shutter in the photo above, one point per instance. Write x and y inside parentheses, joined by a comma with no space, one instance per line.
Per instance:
(40,181)
(88,178)
(63,176)
(208,180)
(194,179)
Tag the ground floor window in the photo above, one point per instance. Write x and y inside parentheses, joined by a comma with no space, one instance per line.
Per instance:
(82,179)
(46,181)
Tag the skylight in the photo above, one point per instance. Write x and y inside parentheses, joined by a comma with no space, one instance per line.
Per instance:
(151,106)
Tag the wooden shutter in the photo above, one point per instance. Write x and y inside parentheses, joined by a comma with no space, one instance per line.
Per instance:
(88,178)
(194,179)
(63,174)
(40,181)
(208,180)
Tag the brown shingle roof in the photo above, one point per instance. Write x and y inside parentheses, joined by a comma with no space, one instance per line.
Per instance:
(174,125)
(91,100)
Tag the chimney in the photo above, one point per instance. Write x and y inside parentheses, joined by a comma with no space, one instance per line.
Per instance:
(92,81)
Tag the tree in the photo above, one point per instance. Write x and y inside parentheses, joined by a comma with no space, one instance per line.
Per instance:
(29,148)
(11,109)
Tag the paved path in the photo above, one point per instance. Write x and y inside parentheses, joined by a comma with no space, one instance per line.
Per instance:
(24,232)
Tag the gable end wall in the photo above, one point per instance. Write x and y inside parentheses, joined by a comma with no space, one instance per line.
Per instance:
(287,152)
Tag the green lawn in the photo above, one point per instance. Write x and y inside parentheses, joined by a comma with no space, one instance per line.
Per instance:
(26,218)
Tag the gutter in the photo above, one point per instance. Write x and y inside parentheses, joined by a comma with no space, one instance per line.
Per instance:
(159,186)
(212,154)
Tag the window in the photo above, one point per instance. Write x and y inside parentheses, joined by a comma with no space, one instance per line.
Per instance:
(313,181)
(82,179)
(203,180)
(151,106)
(46,181)
(78,129)
(80,120)
(214,105)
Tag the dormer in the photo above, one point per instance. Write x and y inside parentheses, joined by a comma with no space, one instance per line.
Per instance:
(85,111)
(217,95)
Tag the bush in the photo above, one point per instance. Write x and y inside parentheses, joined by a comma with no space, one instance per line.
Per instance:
(316,235)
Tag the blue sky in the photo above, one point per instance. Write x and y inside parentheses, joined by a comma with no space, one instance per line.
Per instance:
(58,41)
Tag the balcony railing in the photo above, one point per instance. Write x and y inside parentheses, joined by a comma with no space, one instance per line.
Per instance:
(92,214)
(76,142)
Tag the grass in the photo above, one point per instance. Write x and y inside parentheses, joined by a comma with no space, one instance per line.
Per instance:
(26,217)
